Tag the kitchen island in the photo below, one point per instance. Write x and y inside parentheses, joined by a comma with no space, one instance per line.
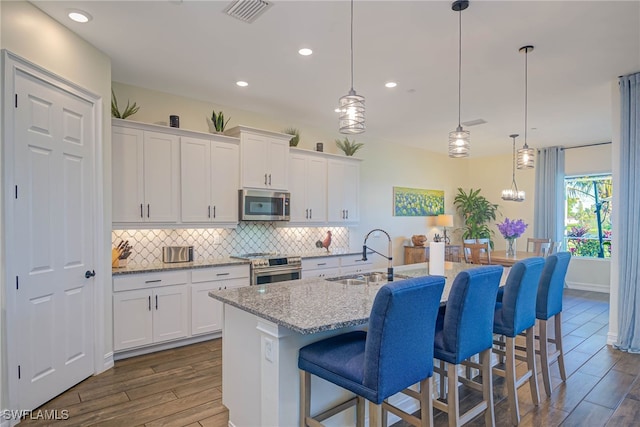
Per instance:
(264,326)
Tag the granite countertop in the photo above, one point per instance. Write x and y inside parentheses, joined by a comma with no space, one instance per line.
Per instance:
(157,266)
(312,305)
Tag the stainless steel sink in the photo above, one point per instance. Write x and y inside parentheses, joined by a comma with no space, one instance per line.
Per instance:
(352,281)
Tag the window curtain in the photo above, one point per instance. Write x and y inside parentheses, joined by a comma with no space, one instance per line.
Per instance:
(628,242)
(548,216)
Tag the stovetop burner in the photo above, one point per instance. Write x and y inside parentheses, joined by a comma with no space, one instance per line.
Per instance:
(270,259)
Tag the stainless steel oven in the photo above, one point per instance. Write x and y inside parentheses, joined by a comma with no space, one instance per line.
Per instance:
(264,205)
(271,268)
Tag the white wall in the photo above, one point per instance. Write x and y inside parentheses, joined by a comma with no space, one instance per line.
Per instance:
(33,35)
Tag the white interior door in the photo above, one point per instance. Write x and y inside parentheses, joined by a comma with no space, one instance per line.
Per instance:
(54,239)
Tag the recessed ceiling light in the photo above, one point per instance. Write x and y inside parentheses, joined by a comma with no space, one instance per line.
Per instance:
(391,84)
(242,84)
(79,16)
(305,51)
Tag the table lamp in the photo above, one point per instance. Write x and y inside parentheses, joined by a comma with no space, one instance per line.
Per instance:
(444,221)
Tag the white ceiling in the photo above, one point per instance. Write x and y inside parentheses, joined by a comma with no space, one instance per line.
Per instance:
(192,49)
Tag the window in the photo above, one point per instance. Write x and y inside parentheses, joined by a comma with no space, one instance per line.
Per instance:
(588,215)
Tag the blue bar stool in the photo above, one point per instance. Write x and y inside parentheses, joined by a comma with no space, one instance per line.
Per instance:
(515,313)
(549,305)
(395,353)
(464,329)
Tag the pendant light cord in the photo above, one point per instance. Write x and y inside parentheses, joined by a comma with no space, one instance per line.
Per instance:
(526,93)
(459,63)
(513,167)
(351,44)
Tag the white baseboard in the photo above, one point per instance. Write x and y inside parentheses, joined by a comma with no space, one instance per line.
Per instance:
(108,362)
(165,346)
(593,287)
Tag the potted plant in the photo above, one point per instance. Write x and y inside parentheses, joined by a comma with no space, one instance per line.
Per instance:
(129,110)
(476,212)
(293,142)
(349,147)
(218,122)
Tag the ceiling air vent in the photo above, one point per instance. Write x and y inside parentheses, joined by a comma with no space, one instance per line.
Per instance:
(247,10)
(474,122)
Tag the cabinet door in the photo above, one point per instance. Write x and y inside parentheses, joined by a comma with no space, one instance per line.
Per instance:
(324,273)
(278,165)
(132,319)
(299,208)
(254,161)
(170,307)
(127,177)
(206,312)
(316,184)
(351,190)
(225,176)
(161,176)
(195,182)
(336,211)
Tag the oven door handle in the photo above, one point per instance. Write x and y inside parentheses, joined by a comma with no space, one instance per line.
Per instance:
(272,271)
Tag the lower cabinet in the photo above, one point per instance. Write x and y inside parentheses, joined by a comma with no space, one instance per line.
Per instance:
(148,316)
(206,312)
(323,267)
(353,264)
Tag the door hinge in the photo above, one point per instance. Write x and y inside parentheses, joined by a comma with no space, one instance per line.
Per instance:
(18,371)
(16,100)
(17,284)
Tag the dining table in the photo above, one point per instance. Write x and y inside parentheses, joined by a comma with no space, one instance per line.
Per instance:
(500,257)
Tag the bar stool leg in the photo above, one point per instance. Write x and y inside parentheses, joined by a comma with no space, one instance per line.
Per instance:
(453,397)
(375,415)
(305,401)
(531,365)
(487,387)
(557,320)
(510,377)
(544,356)
(426,403)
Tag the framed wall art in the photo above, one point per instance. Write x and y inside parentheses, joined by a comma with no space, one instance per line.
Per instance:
(417,202)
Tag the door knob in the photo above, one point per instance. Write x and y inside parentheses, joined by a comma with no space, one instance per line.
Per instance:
(88,274)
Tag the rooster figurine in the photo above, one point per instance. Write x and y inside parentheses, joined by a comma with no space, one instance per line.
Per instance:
(324,243)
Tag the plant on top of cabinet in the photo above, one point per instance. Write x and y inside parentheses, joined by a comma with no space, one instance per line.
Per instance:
(129,110)
(349,147)
(218,121)
(293,142)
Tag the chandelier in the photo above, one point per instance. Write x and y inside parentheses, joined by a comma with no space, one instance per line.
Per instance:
(512,193)
(351,106)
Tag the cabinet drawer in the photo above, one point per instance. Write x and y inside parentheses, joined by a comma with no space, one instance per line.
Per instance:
(320,263)
(350,260)
(200,275)
(150,280)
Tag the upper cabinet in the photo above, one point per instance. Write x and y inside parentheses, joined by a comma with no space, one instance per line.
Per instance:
(264,158)
(145,170)
(343,178)
(308,186)
(210,173)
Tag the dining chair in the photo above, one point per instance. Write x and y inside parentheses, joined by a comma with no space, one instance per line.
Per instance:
(533,245)
(515,313)
(464,329)
(395,353)
(549,306)
(555,247)
(545,249)
(477,253)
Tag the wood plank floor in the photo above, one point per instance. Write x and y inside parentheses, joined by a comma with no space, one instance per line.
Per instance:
(183,386)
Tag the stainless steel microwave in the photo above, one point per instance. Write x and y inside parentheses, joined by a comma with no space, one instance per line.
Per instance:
(264,205)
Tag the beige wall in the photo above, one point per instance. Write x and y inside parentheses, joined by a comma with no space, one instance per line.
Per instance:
(34,36)
(588,160)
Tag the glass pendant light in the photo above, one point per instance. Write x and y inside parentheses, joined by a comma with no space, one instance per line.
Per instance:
(351,108)
(526,155)
(459,140)
(512,193)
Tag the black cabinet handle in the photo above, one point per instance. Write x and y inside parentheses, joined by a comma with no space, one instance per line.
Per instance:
(269,179)
(88,274)
(222,274)
(265,179)
(214,211)
(209,214)
(306,213)
(141,213)
(156,302)
(148,210)
(310,213)
(149,302)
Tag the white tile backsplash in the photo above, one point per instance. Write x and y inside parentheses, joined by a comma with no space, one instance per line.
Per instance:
(212,243)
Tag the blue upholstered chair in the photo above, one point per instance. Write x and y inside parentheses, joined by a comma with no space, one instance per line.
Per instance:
(463,329)
(515,313)
(549,305)
(395,353)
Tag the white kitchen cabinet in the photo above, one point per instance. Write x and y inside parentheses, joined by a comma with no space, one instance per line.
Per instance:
(150,308)
(209,181)
(353,264)
(321,267)
(343,177)
(145,174)
(206,312)
(264,158)
(308,187)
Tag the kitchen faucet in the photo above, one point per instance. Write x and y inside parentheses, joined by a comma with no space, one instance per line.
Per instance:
(388,256)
